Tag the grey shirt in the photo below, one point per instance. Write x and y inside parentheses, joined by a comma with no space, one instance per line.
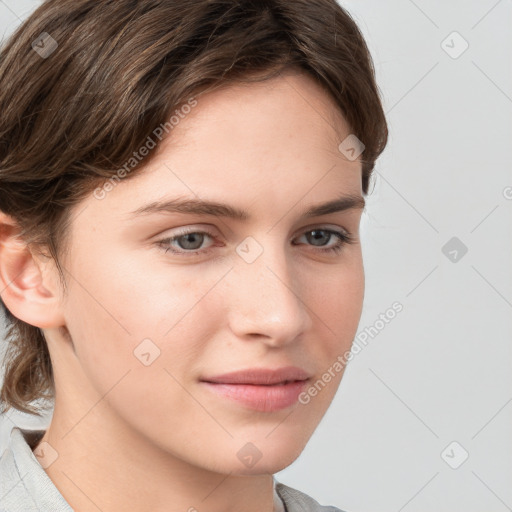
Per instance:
(25,486)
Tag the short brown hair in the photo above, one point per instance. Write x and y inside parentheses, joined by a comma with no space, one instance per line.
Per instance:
(84,83)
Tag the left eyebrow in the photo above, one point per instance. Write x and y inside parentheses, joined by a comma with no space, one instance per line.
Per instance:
(346,202)
(203,207)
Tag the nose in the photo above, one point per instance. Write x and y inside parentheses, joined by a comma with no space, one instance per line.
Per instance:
(267,299)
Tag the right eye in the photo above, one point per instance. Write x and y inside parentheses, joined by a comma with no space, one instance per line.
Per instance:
(188,242)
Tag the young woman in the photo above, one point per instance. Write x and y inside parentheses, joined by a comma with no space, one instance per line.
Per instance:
(181,190)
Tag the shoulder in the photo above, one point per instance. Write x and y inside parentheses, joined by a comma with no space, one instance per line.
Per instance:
(13,491)
(297,501)
(24,485)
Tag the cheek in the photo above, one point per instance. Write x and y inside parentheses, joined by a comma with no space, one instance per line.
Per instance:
(336,302)
(337,305)
(130,312)
(125,359)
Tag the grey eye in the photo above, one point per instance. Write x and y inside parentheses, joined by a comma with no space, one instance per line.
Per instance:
(192,241)
(318,235)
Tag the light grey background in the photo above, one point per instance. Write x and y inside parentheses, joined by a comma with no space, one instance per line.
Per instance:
(440,370)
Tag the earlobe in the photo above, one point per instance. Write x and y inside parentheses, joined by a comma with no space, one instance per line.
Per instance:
(27,284)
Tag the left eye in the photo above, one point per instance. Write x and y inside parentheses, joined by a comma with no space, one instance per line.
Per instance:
(190,242)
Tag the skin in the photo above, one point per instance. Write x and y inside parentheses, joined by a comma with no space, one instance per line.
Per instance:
(135,437)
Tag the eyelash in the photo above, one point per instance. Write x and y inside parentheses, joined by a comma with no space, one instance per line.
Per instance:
(344,239)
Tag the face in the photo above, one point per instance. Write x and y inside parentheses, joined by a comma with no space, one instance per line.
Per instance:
(160,300)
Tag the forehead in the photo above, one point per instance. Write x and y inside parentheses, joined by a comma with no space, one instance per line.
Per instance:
(293,98)
(269,143)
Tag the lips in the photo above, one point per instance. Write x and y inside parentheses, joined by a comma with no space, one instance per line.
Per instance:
(260,376)
(259,389)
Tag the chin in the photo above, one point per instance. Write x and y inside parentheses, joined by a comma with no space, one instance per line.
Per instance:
(265,466)
(265,455)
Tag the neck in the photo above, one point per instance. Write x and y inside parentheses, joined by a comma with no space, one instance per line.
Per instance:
(99,469)
(103,465)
